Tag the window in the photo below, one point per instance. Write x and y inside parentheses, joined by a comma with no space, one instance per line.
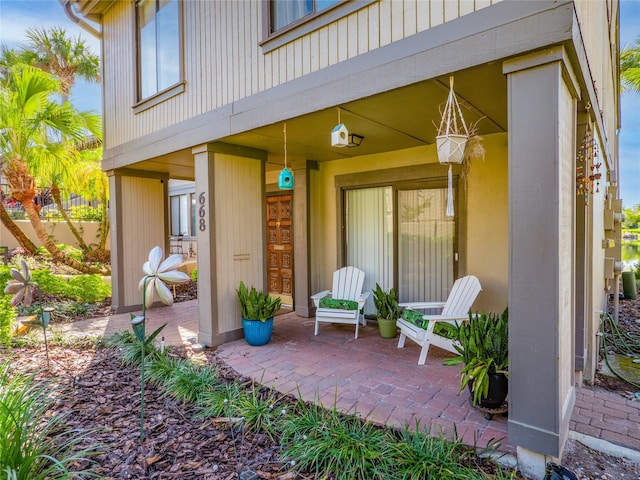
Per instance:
(182,215)
(159,46)
(286,12)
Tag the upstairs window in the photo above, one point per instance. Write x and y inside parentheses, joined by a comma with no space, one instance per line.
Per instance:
(159,46)
(287,12)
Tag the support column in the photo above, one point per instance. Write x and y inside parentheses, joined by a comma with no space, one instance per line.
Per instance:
(301,246)
(230,225)
(139,221)
(542,123)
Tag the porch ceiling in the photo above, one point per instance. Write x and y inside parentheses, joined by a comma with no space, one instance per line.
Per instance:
(393,120)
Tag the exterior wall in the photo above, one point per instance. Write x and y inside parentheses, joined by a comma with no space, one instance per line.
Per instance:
(231,231)
(566,244)
(486,242)
(488,224)
(59,230)
(597,22)
(224,61)
(135,231)
(240,251)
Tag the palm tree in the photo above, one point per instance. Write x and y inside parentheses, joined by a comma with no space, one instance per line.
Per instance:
(67,58)
(33,128)
(630,67)
(95,184)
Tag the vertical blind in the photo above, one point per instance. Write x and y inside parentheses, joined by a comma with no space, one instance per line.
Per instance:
(425,245)
(369,236)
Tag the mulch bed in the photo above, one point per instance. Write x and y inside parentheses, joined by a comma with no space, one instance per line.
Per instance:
(98,393)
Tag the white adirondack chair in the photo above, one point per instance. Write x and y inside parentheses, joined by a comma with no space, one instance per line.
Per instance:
(454,310)
(347,285)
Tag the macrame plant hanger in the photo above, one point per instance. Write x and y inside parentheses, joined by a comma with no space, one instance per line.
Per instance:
(452,141)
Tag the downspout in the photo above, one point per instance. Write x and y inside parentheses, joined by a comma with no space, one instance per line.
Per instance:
(74,18)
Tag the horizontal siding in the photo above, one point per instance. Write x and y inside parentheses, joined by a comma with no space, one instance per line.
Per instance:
(224,63)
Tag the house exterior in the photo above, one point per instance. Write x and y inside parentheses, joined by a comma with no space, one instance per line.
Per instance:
(202,91)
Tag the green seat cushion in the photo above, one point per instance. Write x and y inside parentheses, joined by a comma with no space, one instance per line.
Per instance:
(338,304)
(443,329)
(415,317)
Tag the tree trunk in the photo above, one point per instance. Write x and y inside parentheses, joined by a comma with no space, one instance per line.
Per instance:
(104,223)
(49,244)
(14,229)
(55,193)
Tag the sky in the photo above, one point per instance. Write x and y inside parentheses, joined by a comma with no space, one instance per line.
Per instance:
(16,16)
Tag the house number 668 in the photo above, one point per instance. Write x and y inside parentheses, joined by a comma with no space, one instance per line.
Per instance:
(202,223)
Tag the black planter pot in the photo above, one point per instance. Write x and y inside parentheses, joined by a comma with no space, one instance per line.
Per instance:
(498,390)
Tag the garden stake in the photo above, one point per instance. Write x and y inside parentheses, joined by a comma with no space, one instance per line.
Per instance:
(138,326)
(45,317)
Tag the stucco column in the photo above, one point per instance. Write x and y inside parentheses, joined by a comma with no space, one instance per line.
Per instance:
(301,245)
(542,123)
(230,226)
(139,221)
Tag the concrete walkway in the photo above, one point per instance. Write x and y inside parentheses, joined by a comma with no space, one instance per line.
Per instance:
(373,377)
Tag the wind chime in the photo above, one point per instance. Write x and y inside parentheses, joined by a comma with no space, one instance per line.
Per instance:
(587,170)
(285,179)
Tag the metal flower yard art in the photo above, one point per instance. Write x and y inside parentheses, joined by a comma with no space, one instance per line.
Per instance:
(157,274)
(22,287)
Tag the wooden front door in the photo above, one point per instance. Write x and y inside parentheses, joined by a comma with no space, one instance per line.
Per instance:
(280,247)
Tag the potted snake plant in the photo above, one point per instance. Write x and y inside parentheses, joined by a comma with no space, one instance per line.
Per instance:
(257,309)
(388,311)
(484,350)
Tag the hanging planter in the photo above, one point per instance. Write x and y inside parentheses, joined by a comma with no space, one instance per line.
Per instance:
(451,141)
(453,133)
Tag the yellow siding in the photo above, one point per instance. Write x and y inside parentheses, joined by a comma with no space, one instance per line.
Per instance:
(239,252)
(142,229)
(566,239)
(224,63)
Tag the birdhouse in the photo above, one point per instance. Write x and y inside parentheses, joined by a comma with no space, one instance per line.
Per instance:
(339,136)
(285,179)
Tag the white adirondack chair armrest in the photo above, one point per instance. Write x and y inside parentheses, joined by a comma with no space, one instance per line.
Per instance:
(422,305)
(362,299)
(318,296)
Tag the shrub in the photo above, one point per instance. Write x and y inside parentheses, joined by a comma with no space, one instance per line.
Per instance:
(7,317)
(86,213)
(89,288)
(194,275)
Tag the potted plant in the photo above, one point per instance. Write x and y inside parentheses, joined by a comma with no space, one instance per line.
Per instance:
(257,309)
(388,311)
(484,349)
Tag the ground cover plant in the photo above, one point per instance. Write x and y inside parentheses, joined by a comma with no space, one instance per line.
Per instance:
(35,444)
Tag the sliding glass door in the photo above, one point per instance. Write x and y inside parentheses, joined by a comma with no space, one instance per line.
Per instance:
(369,236)
(425,245)
(389,231)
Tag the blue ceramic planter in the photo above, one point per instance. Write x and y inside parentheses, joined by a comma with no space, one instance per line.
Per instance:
(257,333)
